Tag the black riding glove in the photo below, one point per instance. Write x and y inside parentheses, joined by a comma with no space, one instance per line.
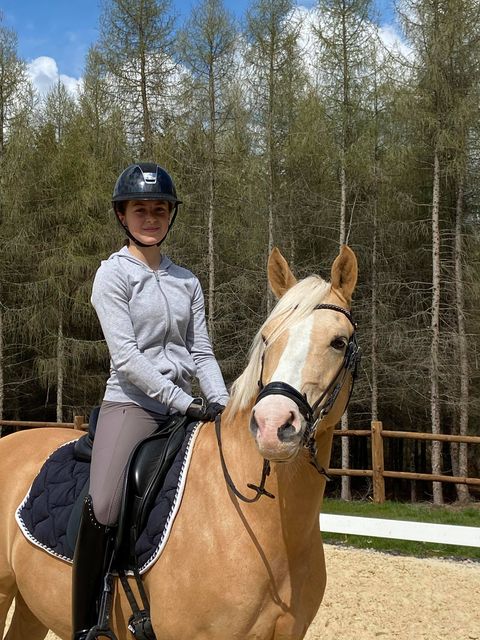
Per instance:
(212,411)
(196,409)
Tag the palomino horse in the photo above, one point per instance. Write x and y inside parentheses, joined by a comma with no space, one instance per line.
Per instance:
(231,569)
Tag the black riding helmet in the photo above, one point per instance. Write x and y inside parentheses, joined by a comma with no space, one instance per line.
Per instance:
(145,181)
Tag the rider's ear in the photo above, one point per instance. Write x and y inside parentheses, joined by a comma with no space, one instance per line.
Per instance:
(280,277)
(344,272)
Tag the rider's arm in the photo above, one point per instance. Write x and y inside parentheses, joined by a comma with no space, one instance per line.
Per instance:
(200,347)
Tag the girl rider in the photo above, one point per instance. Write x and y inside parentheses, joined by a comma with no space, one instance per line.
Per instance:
(153,319)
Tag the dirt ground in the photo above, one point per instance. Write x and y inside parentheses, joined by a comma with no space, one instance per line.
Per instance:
(373,596)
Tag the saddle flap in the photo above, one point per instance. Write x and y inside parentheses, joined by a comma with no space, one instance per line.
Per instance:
(146,470)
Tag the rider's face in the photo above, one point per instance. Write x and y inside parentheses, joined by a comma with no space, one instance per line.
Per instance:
(147,220)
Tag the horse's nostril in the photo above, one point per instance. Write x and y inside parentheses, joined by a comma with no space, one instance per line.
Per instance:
(287,431)
(253,424)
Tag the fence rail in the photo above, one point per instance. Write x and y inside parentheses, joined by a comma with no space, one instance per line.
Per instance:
(378,473)
(78,423)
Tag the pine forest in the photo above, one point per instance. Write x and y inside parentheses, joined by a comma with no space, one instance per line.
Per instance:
(301,129)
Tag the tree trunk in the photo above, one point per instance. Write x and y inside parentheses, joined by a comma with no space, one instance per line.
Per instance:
(2,399)
(271,167)
(346,482)
(211,261)
(374,310)
(211,204)
(436,452)
(60,370)
(346,492)
(147,146)
(463,494)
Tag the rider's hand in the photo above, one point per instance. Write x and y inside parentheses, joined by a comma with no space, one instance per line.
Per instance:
(212,411)
(196,409)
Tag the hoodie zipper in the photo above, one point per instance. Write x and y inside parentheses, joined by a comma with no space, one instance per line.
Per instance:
(168,327)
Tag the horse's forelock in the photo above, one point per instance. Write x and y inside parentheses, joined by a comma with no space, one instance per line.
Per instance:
(297,303)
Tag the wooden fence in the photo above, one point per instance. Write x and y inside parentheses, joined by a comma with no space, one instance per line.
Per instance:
(18,425)
(378,473)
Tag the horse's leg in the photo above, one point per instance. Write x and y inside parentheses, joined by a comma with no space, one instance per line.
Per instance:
(7,593)
(24,624)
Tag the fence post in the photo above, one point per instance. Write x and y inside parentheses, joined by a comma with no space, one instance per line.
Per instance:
(378,462)
(78,421)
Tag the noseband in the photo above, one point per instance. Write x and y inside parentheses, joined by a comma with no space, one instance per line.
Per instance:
(314,413)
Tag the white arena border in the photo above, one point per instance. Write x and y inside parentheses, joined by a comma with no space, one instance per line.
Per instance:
(401,530)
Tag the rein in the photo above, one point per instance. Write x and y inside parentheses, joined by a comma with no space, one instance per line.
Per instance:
(313,414)
(260,489)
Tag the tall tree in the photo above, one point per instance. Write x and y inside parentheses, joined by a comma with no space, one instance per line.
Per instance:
(272,35)
(344,35)
(446,71)
(463,76)
(207,48)
(137,48)
(14,94)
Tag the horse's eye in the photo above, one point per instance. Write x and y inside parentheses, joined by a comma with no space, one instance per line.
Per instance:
(338,343)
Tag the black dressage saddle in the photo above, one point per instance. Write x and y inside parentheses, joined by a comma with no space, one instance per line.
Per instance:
(147,467)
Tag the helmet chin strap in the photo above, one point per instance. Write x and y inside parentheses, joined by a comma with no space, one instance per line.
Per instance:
(142,244)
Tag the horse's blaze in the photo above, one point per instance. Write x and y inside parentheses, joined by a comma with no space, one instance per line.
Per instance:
(277,427)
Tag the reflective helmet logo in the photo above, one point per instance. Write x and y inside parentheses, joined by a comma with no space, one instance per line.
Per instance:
(150,177)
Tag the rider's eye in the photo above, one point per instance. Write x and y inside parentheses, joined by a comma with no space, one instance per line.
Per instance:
(338,343)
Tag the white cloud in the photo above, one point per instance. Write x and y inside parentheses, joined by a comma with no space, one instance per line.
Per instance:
(307,14)
(44,74)
(393,40)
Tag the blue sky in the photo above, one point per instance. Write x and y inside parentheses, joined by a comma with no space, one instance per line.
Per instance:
(63,30)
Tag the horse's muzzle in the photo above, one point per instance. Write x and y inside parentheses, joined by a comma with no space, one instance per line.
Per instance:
(277,427)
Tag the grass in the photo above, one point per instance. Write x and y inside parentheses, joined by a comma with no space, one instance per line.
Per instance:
(458,515)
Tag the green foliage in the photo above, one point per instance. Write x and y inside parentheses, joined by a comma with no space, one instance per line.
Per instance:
(256,127)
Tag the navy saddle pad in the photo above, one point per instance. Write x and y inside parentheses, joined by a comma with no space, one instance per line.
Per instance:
(49,515)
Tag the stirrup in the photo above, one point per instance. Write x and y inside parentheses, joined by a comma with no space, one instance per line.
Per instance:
(102,628)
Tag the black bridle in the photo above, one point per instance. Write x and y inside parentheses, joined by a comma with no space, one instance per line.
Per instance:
(313,414)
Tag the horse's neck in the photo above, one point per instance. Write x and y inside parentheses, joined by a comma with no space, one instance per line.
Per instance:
(297,486)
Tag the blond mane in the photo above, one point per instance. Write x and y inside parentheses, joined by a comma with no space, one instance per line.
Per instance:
(297,303)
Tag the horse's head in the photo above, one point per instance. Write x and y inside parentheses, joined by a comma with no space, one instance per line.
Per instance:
(303,357)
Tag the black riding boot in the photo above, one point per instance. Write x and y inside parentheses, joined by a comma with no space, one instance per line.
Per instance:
(89,566)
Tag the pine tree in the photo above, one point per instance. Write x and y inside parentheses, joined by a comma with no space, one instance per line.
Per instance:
(15,95)
(272,36)
(344,36)
(207,49)
(137,48)
(445,39)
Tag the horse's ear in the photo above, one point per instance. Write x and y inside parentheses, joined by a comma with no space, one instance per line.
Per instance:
(344,272)
(280,277)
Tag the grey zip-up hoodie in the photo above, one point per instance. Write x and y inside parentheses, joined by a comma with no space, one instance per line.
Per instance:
(154,325)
